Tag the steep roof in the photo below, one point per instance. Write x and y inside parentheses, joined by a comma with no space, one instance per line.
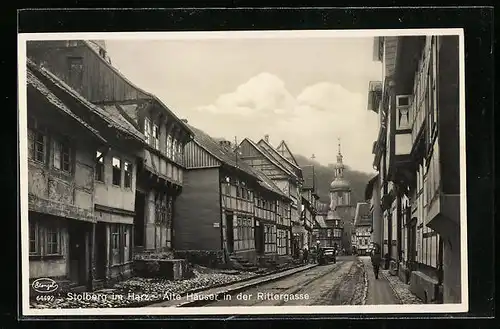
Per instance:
(362,215)
(112,120)
(33,81)
(268,183)
(277,155)
(284,147)
(369,187)
(148,94)
(229,157)
(309,177)
(322,208)
(266,154)
(321,221)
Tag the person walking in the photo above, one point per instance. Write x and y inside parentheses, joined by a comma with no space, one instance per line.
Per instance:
(376,258)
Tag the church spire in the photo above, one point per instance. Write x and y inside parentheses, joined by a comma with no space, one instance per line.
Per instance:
(340,165)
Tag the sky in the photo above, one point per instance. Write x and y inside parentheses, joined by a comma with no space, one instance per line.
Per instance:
(307,91)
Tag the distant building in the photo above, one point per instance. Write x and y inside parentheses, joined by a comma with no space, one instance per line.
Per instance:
(284,174)
(363,228)
(228,210)
(340,215)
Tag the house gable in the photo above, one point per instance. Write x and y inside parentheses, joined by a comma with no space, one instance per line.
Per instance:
(255,157)
(286,153)
(290,166)
(196,157)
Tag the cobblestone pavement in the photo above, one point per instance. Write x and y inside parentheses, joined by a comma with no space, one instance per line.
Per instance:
(401,289)
(379,290)
(333,284)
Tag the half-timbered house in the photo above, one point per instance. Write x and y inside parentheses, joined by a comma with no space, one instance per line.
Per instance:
(260,159)
(285,158)
(61,219)
(419,180)
(227,208)
(114,188)
(86,67)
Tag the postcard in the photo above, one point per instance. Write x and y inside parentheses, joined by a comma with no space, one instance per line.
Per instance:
(251,172)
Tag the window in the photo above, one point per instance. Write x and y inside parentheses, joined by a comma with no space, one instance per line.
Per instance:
(62,156)
(71,43)
(53,236)
(174,150)
(156,136)
(75,73)
(34,241)
(179,151)
(99,167)
(127,167)
(147,130)
(37,142)
(115,244)
(126,244)
(117,172)
(169,146)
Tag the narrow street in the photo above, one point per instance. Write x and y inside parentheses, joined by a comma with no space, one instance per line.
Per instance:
(333,284)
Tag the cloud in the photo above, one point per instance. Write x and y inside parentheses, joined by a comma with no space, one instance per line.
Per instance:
(310,123)
(263,94)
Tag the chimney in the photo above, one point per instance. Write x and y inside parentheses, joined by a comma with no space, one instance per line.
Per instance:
(266,138)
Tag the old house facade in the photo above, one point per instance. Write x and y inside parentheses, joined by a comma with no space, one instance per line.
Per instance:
(61,148)
(418,103)
(114,182)
(363,228)
(228,208)
(286,180)
(321,232)
(309,201)
(301,228)
(86,68)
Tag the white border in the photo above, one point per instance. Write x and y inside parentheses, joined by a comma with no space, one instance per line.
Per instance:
(255,310)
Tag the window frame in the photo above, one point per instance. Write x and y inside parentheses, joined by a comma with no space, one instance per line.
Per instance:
(100,168)
(58,235)
(72,60)
(36,239)
(128,172)
(147,130)
(115,168)
(60,145)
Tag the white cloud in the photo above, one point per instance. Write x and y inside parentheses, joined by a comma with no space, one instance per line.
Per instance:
(263,94)
(310,122)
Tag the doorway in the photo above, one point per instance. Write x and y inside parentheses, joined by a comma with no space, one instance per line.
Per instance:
(230,233)
(77,253)
(259,238)
(101,251)
(140,205)
(412,243)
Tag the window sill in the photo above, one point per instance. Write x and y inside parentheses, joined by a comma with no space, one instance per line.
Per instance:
(45,257)
(99,182)
(122,264)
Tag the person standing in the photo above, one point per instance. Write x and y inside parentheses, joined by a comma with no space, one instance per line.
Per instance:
(376,258)
(306,254)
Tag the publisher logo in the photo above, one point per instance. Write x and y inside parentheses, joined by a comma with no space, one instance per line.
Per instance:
(44,285)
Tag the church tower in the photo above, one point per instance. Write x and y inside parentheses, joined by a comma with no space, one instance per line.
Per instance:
(340,189)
